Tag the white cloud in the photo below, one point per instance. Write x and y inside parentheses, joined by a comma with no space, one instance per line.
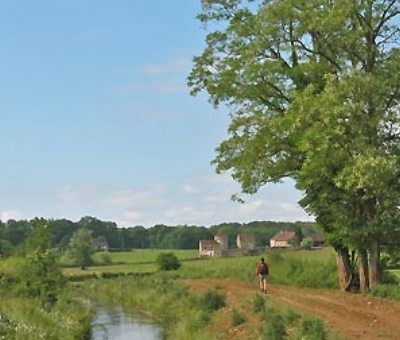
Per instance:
(10,215)
(72,194)
(191,189)
(143,196)
(130,218)
(179,64)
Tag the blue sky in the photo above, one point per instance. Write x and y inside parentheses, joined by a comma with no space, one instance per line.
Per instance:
(96,118)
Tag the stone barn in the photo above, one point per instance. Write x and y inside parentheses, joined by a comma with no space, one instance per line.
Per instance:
(222,239)
(210,248)
(246,241)
(284,239)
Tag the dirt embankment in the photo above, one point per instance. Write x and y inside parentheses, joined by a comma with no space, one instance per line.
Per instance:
(354,316)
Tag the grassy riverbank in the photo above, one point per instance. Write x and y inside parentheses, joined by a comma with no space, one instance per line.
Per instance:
(210,314)
(25,318)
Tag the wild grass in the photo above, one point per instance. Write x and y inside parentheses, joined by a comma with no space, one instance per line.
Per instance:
(142,256)
(285,323)
(387,291)
(168,303)
(25,318)
(301,268)
(117,268)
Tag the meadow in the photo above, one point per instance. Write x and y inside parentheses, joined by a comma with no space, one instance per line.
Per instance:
(302,268)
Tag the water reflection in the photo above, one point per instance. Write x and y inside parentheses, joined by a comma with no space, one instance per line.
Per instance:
(117,324)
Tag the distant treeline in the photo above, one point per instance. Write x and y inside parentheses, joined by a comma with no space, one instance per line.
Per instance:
(14,233)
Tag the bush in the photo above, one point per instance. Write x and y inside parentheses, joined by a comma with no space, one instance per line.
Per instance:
(212,300)
(313,329)
(168,261)
(291,316)
(258,303)
(307,243)
(237,318)
(105,258)
(275,328)
(387,291)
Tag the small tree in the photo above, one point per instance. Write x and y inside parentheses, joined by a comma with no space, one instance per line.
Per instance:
(168,261)
(307,243)
(81,248)
(5,248)
(40,275)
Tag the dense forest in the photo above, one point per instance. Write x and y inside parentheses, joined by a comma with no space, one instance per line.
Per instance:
(13,234)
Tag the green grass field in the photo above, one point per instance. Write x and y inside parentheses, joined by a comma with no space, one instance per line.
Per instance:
(136,261)
(303,268)
(145,255)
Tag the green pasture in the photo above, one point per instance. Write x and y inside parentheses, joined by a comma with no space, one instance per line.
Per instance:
(315,268)
(145,255)
(302,268)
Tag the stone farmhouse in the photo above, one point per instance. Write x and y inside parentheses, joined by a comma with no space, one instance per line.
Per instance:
(219,245)
(246,241)
(210,248)
(284,239)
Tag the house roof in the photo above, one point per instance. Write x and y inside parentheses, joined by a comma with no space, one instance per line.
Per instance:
(318,238)
(284,235)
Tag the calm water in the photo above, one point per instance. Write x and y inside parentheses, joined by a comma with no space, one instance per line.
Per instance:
(116,324)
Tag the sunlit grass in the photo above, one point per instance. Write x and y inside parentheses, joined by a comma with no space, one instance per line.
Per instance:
(145,255)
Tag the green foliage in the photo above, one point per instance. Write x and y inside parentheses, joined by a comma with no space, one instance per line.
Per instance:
(105,258)
(168,261)
(156,237)
(291,316)
(258,303)
(307,105)
(307,243)
(6,248)
(274,325)
(26,319)
(237,318)
(313,329)
(41,277)
(212,300)
(387,291)
(81,248)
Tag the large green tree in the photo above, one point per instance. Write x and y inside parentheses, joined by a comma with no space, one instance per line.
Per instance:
(314,92)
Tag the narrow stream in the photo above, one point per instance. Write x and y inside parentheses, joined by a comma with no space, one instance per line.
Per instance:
(115,323)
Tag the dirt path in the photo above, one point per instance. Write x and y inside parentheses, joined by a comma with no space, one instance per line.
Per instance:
(355,316)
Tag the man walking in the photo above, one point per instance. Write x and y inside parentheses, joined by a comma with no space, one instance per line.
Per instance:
(262,271)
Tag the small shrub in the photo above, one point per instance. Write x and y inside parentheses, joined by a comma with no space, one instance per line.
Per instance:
(307,243)
(105,258)
(275,327)
(313,329)
(237,318)
(212,300)
(258,303)
(168,261)
(291,316)
(110,275)
(387,291)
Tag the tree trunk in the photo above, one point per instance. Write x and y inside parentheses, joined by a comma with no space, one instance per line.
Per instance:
(374,267)
(344,269)
(363,271)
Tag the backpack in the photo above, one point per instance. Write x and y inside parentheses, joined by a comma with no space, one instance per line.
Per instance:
(263,268)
